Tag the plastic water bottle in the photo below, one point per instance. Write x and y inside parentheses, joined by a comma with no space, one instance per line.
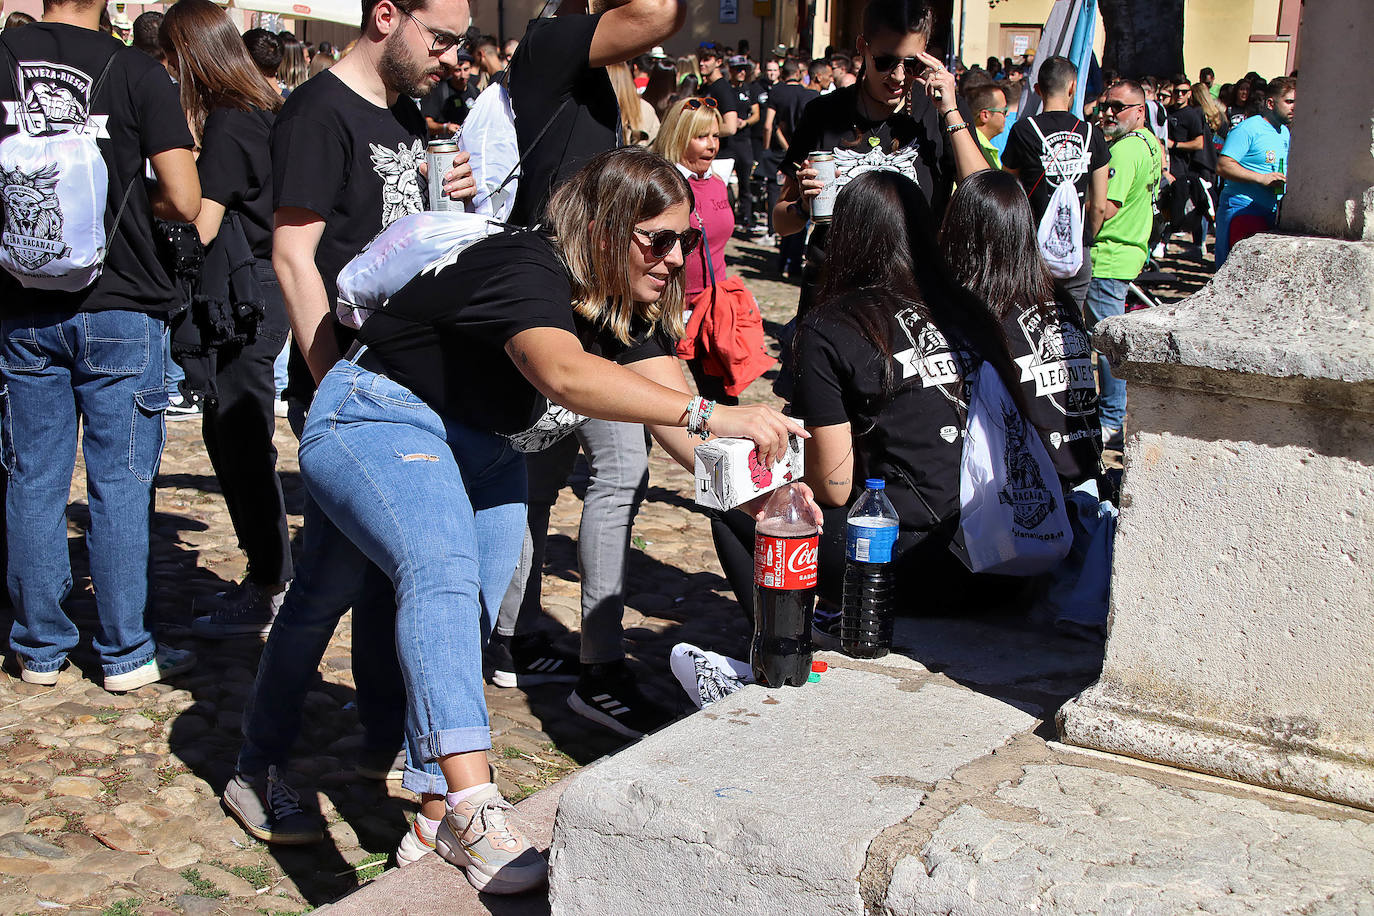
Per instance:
(866,613)
(785,550)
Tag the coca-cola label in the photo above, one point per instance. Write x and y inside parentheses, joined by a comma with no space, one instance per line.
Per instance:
(785,562)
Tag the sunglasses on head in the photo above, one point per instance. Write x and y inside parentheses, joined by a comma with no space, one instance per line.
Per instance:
(1116,107)
(886,63)
(661,241)
(694,104)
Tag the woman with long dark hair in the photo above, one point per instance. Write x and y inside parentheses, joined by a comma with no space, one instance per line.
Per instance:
(988,240)
(295,66)
(231,106)
(428,480)
(880,363)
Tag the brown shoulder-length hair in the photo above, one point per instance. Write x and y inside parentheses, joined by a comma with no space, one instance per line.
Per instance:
(212,64)
(593,216)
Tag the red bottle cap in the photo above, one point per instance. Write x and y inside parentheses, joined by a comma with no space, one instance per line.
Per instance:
(820,666)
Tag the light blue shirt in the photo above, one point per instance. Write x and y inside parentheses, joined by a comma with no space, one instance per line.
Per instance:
(1258,147)
(1000,141)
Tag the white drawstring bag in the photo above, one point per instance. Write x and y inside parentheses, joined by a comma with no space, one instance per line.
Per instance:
(1012,519)
(488,136)
(399,253)
(53,187)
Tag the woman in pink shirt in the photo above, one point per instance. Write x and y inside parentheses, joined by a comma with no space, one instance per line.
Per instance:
(690,137)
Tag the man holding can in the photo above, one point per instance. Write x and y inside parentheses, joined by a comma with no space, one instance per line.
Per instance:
(348,152)
(869,125)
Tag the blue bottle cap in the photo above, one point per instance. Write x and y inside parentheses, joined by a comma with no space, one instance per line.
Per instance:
(875,483)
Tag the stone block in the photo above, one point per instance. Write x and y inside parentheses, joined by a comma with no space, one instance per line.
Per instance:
(1240,641)
(768,800)
(1066,839)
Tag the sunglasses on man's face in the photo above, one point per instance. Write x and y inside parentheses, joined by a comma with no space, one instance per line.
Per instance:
(661,241)
(886,63)
(1184,91)
(1116,107)
(694,104)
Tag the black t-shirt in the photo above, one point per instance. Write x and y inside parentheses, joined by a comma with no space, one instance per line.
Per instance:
(726,98)
(550,68)
(1054,356)
(137,114)
(1187,123)
(909,144)
(762,90)
(448,105)
(1072,149)
(787,101)
(351,162)
(1234,116)
(740,144)
(912,438)
(235,168)
(443,336)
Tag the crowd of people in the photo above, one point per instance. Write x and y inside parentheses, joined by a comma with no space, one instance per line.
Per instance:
(245,171)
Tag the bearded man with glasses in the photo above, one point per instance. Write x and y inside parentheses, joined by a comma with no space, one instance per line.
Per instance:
(1119,252)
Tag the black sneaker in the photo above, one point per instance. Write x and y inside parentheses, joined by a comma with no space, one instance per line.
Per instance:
(525,661)
(608,695)
(825,627)
(270,810)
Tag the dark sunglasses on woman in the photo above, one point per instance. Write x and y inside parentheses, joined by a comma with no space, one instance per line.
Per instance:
(661,241)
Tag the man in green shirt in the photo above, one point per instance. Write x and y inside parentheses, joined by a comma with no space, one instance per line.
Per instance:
(1122,243)
(988,105)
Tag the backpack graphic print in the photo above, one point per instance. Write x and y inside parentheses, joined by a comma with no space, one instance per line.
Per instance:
(1060,233)
(53,179)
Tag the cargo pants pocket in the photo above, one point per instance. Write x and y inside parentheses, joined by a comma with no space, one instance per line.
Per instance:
(148,434)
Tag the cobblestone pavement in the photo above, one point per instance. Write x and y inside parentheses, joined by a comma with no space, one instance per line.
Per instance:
(109,803)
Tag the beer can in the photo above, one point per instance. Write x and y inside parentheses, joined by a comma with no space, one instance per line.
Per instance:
(823,204)
(439,154)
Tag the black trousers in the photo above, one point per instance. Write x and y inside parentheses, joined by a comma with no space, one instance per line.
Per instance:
(237,429)
(744,172)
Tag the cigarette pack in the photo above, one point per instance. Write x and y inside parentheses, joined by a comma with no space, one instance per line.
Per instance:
(728,471)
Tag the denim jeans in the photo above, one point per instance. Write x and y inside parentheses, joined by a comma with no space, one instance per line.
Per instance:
(103,369)
(172,373)
(279,375)
(1106,298)
(437,506)
(619,461)
(330,576)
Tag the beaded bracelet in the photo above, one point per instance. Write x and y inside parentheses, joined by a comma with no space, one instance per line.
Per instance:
(955,128)
(699,410)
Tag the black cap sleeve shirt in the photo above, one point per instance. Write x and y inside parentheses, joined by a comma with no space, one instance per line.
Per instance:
(236,170)
(136,114)
(443,337)
(910,439)
(551,83)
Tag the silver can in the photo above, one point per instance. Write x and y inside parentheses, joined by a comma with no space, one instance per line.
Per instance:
(823,204)
(439,154)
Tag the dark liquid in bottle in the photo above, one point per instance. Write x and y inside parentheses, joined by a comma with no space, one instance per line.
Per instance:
(866,618)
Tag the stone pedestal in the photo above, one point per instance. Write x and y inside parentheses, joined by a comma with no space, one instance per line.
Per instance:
(1241,638)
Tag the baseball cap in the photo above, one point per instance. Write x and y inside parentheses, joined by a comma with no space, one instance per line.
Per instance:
(738,61)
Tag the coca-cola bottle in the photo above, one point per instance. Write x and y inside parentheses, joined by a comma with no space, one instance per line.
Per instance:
(785,547)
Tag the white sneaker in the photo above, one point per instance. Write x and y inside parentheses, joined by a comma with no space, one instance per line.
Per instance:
(166,662)
(478,836)
(416,844)
(40,678)
(281,409)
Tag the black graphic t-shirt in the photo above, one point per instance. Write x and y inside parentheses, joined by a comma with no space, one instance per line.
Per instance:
(135,114)
(1054,356)
(353,163)
(1185,124)
(443,336)
(762,90)
(741,144)
(788,101)
(912,438)
(1071,151)
(550,68)
(236,170)
(910,144)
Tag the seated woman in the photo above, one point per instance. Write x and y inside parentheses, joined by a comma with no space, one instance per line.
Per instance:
(988,240)
(411,447)
(881,361)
